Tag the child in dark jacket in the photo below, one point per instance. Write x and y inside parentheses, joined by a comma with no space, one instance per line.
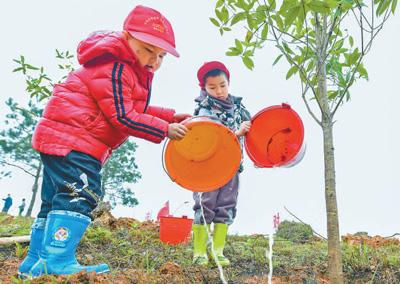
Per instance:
(88,116)
(219,206)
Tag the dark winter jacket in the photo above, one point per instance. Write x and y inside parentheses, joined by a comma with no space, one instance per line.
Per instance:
(7,202)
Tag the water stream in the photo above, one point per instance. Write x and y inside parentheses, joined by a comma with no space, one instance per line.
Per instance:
(220,269)
(269,253)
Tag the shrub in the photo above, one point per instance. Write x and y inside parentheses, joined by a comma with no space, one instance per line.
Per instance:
(294,231)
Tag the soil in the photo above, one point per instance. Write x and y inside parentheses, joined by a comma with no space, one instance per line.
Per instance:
(375,241)
(169,272)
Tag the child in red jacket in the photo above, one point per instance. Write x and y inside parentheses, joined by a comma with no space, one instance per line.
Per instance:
(90,114)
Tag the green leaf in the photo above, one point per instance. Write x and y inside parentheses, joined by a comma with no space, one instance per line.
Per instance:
(249,36)
(260,14)
(264,32)
(262,9)
(277,59)
(241,4)
(319,6)
(351,41)
(250,22)
(338,44)
(291,71)
(219,3)
(287,5)
(251,5)
(292,15)
(311,65)
(339,51)
(248,53)
(18,69)
(272,4)
(286,47)
(219,15)
(239,45)
(225,14)
(394,5)
(31,67)
(332,3)
(354,57)
(248,62)
(214,21)
(238,17)
(303,77)
(300,20)
(362,71)
(382,7)
(346,5)
(333,94)
(278,21)
(348,95)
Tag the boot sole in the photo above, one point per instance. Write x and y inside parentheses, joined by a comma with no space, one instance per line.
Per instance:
(24,276)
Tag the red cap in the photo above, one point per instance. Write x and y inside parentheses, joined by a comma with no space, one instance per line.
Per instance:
(207,67)
(148,25)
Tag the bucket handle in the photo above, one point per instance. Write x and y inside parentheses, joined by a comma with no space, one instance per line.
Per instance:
(163,162)
(203,116)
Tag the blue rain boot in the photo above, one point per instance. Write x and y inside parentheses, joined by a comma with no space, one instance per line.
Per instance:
(64,230)
(35,246)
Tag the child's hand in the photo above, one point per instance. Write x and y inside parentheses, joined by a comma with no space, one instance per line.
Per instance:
(176,131)
(243,128)
(178,117)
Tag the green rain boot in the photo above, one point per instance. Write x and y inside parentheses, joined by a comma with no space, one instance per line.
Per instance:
(200,238)
(220,232)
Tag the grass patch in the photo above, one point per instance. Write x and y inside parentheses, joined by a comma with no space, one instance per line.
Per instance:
(136,255)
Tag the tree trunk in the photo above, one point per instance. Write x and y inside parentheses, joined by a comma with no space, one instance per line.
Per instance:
(34,190)
(335,268)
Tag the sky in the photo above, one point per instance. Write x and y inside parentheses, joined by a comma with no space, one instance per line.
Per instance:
(366,132)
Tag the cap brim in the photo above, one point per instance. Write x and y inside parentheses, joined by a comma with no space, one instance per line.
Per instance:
(156,41)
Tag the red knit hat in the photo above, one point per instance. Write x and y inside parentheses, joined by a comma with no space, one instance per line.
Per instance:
(207,67)
(148,25)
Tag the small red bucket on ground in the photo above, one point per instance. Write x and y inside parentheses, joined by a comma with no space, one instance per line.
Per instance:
(175,230)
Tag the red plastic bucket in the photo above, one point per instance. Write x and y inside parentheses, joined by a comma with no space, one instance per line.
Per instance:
(276,137)
(175,230)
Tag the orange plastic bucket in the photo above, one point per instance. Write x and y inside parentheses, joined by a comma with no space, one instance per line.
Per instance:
(175,230)
(206,159)
(276,137)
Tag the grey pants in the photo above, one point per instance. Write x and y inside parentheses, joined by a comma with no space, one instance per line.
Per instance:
(219,206)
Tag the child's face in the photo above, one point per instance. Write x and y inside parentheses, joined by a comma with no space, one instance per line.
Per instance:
(217,87)
(149,56)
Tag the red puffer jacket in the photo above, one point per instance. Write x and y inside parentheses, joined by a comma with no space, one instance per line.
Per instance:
(102,103)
